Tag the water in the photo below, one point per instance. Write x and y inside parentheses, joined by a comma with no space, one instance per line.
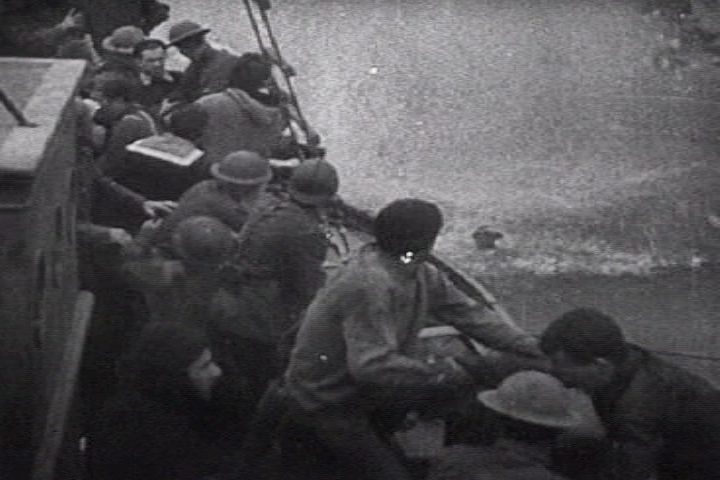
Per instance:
(546,119)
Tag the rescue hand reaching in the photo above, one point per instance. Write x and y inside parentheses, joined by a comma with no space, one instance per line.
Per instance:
(158,208)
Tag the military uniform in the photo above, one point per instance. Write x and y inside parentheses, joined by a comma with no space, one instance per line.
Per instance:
(275,277)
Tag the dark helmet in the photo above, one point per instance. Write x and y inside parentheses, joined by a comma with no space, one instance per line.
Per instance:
(204,240)
(407,226)
(185,30)
(314,182)
(242,168)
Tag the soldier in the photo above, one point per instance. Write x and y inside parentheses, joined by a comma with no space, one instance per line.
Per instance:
(275,276)
(237,187)
(210,68)
(181,290)
(256,124)
(117,51)
(156,82)
(163,167)
(662,421)
(355,362)
(104,16)
(533,408)
(160,423)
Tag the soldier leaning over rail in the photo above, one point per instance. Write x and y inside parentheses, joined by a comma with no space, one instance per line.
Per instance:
(210,68)
(662,421)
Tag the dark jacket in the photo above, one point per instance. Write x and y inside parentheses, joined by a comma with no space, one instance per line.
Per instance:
(156,426)
(123,128)
(104,16)
(115,205)
(206,198)
(659,416)
(239,122)
(506,460)
(362,330)
(152,91)
(208,74)
(277,272)
(160,167)
(175,292)
(139,436)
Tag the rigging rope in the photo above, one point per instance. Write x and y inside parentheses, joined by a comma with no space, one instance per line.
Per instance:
(692,356)
(263,6)
(286,76)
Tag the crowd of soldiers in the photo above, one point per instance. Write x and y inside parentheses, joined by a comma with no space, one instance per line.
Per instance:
(226,344)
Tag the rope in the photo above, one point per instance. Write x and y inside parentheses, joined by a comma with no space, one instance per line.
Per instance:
(255,27)
(259,38)
(693,356)
(288,80)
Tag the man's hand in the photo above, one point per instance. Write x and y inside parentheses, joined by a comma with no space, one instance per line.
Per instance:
(714,220)
(274,57)
(312,137)
(73,19)
(529,346)
(158,209)
(147,232)
(120,237)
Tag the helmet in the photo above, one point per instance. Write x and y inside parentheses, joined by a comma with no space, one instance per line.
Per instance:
(407,225)
(242,168)
(537,398)
(123,40)
(204,240)
(184,30)
(314,182)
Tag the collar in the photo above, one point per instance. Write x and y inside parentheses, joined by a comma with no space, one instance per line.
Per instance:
(147,80)
(206,55)
(393,263)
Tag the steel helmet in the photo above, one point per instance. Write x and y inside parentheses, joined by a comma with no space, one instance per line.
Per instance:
(184,30)
(535,397)
(314,182)
(204,240)
(242,168)
(123,39)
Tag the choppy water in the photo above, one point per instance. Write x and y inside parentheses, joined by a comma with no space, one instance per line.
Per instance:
(544,118)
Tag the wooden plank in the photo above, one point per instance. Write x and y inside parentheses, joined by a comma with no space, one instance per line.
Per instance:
(63,389)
